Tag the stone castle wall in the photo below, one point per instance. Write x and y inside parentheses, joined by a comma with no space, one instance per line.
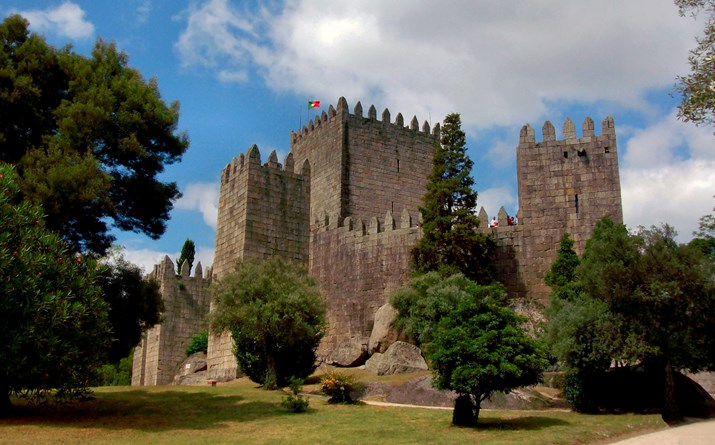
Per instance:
(357,264)
(565,185)
(186,305)
(333,206)
(263,211)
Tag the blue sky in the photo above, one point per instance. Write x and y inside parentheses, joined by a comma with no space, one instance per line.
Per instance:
(243,72)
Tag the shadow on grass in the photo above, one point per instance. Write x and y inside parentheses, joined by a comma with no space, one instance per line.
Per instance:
(533,423)
(146,411)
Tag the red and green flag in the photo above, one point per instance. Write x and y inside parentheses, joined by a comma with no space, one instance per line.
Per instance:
(313,104)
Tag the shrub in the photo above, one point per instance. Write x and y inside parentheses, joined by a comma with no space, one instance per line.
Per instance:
(338,387)
(199,343)
(276,317)
(294,401)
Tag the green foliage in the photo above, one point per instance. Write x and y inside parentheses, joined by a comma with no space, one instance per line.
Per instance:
(479,348)
(636,298)
(428,298)
(135,304)
(89,137)
(276,316)
(188,251)
(563,269)
(450,243)
(338,387)
(705,236)
(581,389)
(115,374)
(199,343)
(55,330)
(294,401)
(698,87)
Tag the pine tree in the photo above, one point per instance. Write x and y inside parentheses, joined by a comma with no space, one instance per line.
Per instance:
(188,251)
(89,138)
(451,242)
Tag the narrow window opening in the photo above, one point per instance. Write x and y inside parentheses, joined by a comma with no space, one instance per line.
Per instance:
(566,155)
(607,149)
(392,205)
(576,203)
(398,166)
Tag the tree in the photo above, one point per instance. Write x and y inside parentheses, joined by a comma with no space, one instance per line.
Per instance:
(428,298)
(698,87)
(89,137)
(705,236)
(55,330)
(135,304)
(188,251)
(654,304)
(451,242)
(276,316)
(480,348)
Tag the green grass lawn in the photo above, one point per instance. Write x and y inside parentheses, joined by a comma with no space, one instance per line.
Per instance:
(239,412)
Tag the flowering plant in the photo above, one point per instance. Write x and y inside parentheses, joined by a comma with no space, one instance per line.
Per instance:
(338,387)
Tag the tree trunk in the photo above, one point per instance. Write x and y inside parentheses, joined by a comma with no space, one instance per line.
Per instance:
(670,412)
(477,407)
(5,404)
(463,414)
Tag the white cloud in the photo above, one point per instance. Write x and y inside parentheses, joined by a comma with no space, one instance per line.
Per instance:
(678,194)
(497,63)
(201,196)
(668,175)
(66,20)
(666,142)
(217,36)
(492,199)
(143,12)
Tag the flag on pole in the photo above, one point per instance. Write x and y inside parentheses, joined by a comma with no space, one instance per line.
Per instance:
(313,104)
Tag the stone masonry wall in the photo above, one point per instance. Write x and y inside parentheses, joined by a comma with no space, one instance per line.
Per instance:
(263,212)
(186,303)
(565,185)
(363,166)
(357,265)
(388,164)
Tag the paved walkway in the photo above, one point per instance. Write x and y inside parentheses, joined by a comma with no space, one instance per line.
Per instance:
(696,433)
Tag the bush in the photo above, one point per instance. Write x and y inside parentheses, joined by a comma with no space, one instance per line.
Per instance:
(294,401)
(338,387)
(199,343)
(276,317)
(115,374)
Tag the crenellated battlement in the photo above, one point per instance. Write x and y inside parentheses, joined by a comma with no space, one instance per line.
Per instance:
(548,132)
(374,225)
(252,159)
(342,114)
(166,270)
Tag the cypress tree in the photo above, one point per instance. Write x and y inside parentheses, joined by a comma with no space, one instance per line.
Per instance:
(451,242)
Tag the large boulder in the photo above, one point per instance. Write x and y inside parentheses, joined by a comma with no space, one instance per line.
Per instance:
(348,354)
(399,358)
(383,334)
(192,370)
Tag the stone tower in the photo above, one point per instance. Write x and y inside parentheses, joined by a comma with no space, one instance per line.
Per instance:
(186,304)
(565,185)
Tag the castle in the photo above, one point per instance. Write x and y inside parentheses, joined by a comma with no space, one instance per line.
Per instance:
(345,203)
